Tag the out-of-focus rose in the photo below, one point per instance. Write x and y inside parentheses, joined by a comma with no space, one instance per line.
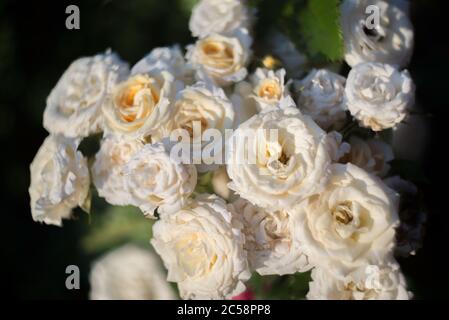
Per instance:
(74,105)
(349,223)
(221,58)
(129,273)
(59,180)
(141,106)
(368,282)
(372,155)
(379,95)
(219,16)
(107,170)
(269,240)
(277,158)
(389,42)
(322,96)
(153,180)
(202,248)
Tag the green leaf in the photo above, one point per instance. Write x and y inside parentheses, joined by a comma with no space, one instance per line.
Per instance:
(292,287)
(187,5)
(204,184)
(320,27)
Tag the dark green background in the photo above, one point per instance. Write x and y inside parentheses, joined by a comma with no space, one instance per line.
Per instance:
(35,48)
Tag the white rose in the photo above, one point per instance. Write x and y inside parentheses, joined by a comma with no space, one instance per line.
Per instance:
(107,170)
(390,42)
(218,16)
(161,59)
(269,88)
(203,106)
(322,96)
(269,240)
(153,180)
(221,58)
(59,180)
(74,105)
(141,106)
(277,158)
(129,273)
(378,95)
(202,248)
(368,282)
(372,155)
(350,222)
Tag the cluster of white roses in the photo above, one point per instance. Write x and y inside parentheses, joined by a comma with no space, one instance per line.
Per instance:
(310,201)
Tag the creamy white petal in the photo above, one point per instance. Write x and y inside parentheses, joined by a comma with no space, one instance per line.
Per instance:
(269,240)
(277,158)
(74,105)
(59,180)
(141,106)
(244,104)
(350,223)
(269,88)
(169,59)
(322,96)
(197,109)
(379,95)
(382,281)
(202,249)
(154,180)
(219,16)
(390,42)
(222,59)
(107,170)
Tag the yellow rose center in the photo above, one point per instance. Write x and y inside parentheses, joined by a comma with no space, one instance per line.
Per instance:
(269,89)
(343,212)
(136,98)
(217,54)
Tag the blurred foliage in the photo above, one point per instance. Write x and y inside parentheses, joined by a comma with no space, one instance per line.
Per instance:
(320,28)
(115,226)
(287,287)
(204,183)
(312,25)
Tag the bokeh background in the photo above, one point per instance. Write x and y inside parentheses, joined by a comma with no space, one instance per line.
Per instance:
(35,48)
